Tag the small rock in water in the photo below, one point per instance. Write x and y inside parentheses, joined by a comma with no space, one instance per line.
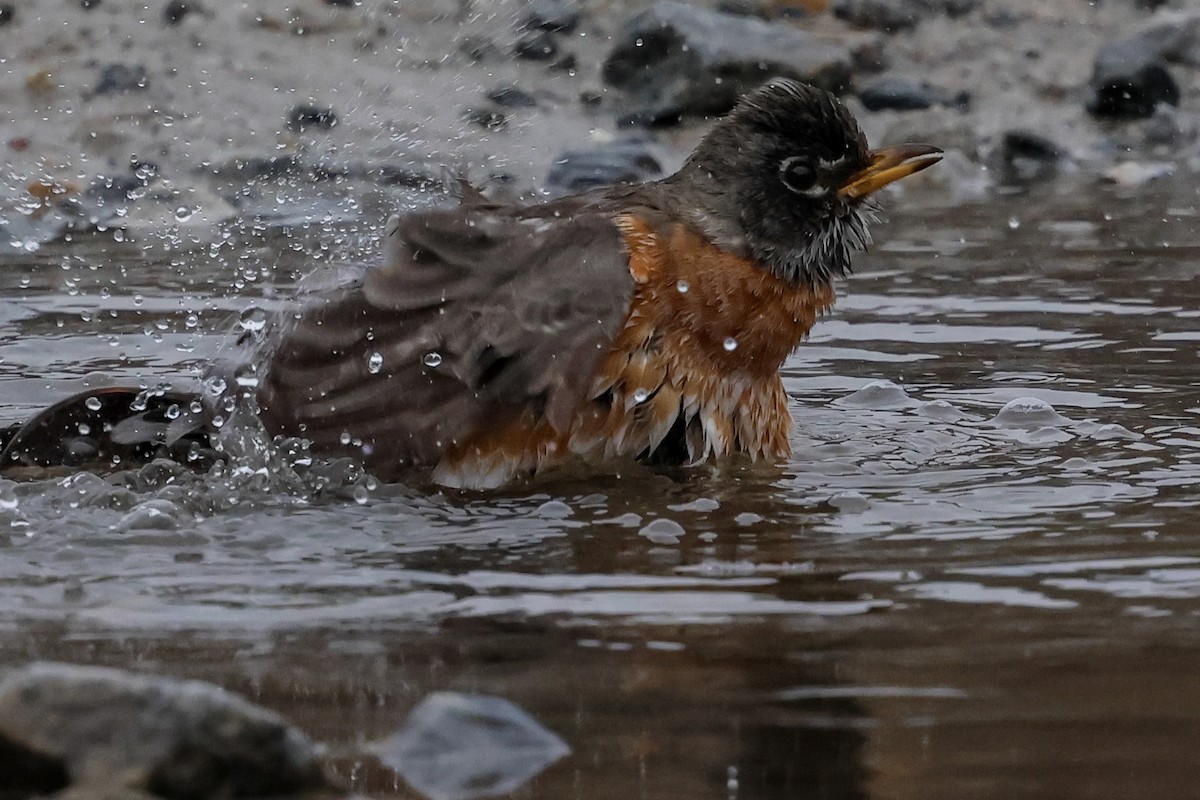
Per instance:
(1029,413)
(7,14)
(901,94)
(536,46)
(93,727)
(675,59)
(176,10)
(628,161)
(459,747)
(879,395)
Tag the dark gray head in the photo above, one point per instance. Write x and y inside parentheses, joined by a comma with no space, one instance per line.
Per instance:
(785,177)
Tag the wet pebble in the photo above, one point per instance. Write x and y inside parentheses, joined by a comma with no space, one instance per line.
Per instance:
(176,10)
(121,79)
(555,16)
(879,395)
(536,46)
(622,161)
(1029,413)
(103,731)
(511,97)
(675,59)
(1027,156)
(1128,80)
(1137,173)
(884,15)
(305,116)
(7,14)
(662,531)
(902,94)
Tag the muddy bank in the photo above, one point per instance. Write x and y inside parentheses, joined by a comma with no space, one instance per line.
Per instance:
(168,119)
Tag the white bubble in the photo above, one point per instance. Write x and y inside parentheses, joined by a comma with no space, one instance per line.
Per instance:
(375,363)
(730,344)
(683,286)
(93,403)
(432,359)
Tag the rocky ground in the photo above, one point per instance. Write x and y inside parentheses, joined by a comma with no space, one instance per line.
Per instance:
(171,117)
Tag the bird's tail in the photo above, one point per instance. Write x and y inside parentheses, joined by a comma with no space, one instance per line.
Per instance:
(110,428)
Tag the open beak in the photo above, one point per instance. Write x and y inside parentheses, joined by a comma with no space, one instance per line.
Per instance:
(887,165)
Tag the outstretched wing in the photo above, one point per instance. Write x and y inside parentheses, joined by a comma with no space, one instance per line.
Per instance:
(477,317)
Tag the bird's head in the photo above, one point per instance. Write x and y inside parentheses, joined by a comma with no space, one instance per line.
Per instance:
(787,176)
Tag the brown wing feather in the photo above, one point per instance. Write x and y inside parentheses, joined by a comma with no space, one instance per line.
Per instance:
(477,316)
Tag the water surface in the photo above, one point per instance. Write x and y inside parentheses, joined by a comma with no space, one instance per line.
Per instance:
(976,578)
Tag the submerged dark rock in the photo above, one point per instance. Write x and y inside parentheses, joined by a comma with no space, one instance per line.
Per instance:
(178,740)
(536,46)
(7,13)
(902,94)
(884,15)
(511,97)
(309,116)
(628,161)
(555,16)
(176,10)
(675,59)
(1025,156)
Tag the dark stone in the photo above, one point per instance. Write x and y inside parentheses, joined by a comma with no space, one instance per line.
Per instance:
(883,15)
(489,118)
(7,13)
(29,772)
(303,117)
(1026,156)
(122,78)
(628,161)
(342,3)
(1128,81)
(478,48)
(176,10)
(555,16)
(901,94)
(511,97)
(88,5)
(536,46)
(176,740)
(675,59)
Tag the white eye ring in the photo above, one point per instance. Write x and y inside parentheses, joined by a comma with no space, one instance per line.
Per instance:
(785,169)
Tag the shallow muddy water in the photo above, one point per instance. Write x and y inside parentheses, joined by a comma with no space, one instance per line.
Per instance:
(978,577)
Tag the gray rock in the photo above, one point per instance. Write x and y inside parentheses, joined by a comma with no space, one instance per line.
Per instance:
(884,15)
(303,117)
(1173,36)
(187,740)
(511,97)
(902,94)
(675,59)
(555,16)
(628,161)
(1025,156)
(121,79)
(1128,80)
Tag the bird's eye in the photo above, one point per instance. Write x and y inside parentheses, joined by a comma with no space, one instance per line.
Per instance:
(799,176)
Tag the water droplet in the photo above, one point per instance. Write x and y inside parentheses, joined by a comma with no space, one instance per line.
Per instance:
(640,395)
(361,495)
(253,320)
(1014,223)
(172,411)
(93,403)
(375,363)
(215,386)
(682,286)
(730,344)
(345,438)
(432,359)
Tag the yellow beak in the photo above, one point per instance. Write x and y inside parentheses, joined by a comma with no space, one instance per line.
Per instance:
(887,165)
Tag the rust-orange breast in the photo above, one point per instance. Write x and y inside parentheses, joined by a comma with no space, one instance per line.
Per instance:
(700,350)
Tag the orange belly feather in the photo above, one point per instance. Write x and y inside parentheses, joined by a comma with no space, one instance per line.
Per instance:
(702,344)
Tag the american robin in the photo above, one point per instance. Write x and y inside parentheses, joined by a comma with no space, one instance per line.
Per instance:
(643,321)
